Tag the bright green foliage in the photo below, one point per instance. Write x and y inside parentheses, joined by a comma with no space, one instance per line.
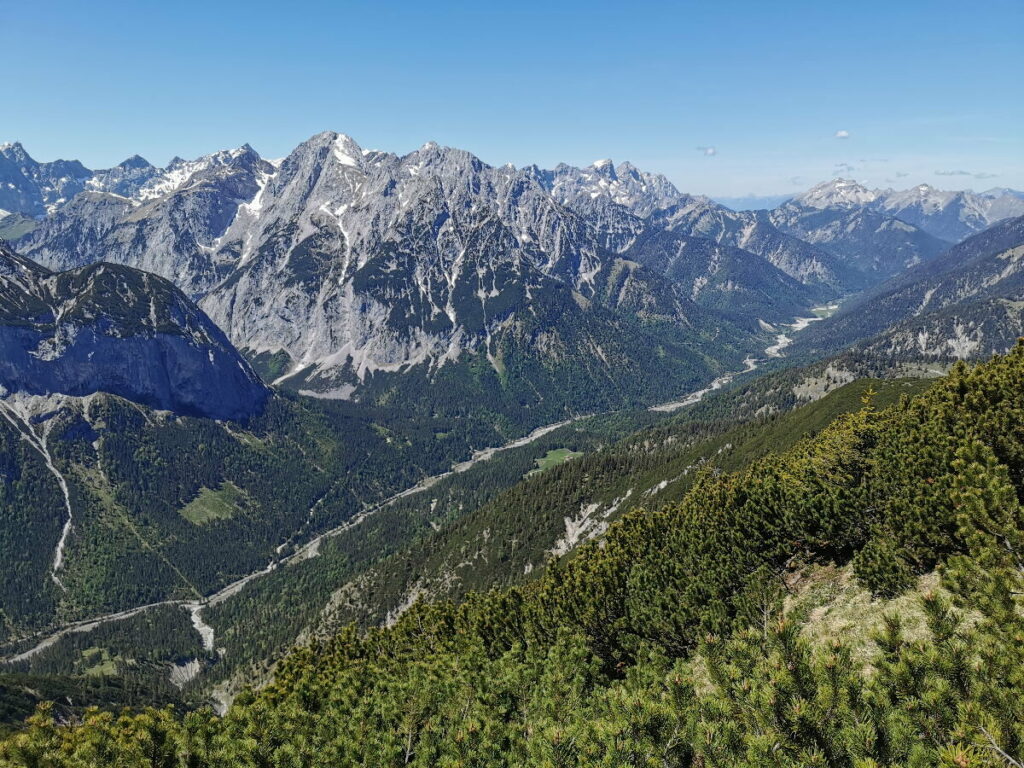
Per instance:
(555,457)
(220,504)
(665,643)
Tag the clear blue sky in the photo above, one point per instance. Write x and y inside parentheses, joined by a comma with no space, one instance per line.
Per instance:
(920,87)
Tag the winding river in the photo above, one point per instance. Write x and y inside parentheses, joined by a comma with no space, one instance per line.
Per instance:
(782,341)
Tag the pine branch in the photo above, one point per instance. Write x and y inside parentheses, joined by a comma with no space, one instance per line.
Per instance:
(998,750)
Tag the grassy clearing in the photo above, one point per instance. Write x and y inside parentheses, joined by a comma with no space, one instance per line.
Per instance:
(98,662)
(831,605)
(826,310)
(553,458)
(837,607)
(220,504)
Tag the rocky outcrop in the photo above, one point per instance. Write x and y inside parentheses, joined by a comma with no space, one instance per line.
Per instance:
(171,226)
(34,188)
(110,328)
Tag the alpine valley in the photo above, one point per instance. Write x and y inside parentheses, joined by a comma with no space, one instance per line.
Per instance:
(352,458)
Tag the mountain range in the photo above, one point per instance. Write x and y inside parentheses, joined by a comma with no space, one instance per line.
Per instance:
(967,304)
(338,269)
(341,271)
(247,401)
(947,215)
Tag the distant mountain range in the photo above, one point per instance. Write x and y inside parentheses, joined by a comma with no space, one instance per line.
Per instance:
(350,273)
(949,216)
(967,304)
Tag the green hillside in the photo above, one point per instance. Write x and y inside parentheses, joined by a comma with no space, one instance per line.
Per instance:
(154,498)
(490,527)
(676,639)
(511,537)
(485,527)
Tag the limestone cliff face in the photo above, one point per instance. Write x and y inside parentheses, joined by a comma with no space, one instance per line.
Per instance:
(111,328)
(336,264)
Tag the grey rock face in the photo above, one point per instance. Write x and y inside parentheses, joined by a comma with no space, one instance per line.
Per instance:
(875,246)
(754,231)
(114,329)
(947,215)
(33,188)
(655,200)
(170,226)
(75,234)
(737,282)
(358,261)
(126,179)
(971,330)
(640,192)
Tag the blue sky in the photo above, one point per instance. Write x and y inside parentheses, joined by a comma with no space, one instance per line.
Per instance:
(923,89)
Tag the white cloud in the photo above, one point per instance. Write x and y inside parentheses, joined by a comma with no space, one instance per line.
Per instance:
(842,133)
(708,151)
(967,173)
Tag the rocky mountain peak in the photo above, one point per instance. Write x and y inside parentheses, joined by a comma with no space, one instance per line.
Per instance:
(997,192)
(837,193)
(135,162)
(34,188)
(640,192)
(15,152)
(346,151)
(604,168)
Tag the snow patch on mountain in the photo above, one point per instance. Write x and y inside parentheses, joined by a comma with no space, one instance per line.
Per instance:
(837,193)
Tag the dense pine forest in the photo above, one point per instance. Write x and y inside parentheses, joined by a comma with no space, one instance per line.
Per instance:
(156,496)
(701,633)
